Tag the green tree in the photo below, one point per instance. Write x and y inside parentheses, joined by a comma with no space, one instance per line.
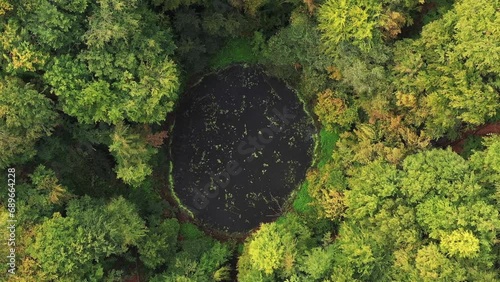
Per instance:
(168,5)
(363,24)
(296,44)
(159,246)
(460,243)
(273,251)
(132,154)
(326,186)
(201,259)
(476,31)
(124,73)
(433,265)
(25,116)
(73,247)
(350,21)
(54,24)
(443,78)
(332,108)
(46,180)
(295,51)
(267,249)
(251,7)
(33,29)
(433,214)
(486,165)
(317,262)
(19,54)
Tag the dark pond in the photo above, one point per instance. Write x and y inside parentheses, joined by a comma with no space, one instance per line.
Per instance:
(241,143)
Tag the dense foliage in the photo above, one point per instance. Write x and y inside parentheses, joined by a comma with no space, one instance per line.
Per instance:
(86,92)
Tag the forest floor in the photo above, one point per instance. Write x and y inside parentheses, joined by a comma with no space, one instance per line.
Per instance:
(491,128)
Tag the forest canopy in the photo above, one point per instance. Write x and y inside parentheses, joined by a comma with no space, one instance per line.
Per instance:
(405,98)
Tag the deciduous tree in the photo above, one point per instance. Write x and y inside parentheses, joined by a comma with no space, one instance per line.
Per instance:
(25,116)
(73,247)
(132,154)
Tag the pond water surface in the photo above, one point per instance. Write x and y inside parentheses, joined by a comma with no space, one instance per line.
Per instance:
(241,143)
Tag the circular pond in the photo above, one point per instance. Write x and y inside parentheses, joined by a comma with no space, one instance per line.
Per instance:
(241,143)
